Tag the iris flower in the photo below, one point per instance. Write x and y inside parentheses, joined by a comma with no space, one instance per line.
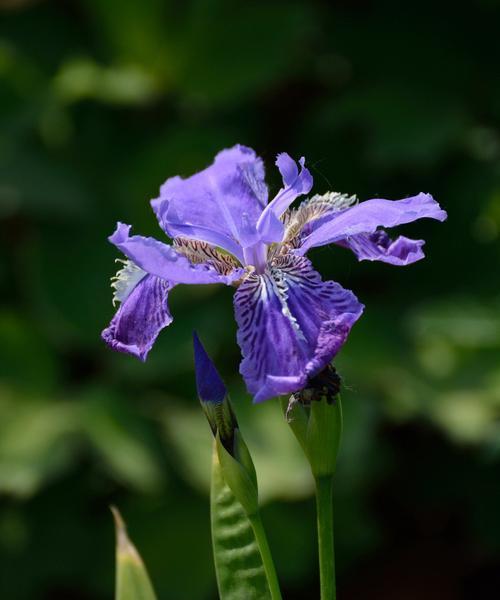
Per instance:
(291,323)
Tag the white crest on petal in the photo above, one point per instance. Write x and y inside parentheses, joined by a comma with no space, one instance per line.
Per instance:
(280,286)
(125,280)
(333,201)
(314,208)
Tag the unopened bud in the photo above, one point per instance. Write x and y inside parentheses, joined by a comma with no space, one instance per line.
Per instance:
(213,396)
(315,416)
(236,464)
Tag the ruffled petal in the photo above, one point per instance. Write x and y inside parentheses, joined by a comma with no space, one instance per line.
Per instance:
(140,318)
(379,246)
(290,326)
(162,260)
(368,216)
(222,199)
(288,168)
(198,233)
(295,183)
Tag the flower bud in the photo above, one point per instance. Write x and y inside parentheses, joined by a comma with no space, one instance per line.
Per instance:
(315,417)
(213,396)
(236,464)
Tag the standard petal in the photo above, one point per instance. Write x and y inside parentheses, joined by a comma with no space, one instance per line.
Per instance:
(368,216)
(140,318)
(162,260)
(223,199)
(288,168)
(290,326)
(295,184)
(379,246)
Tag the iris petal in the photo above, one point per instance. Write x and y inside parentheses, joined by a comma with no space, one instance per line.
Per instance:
(222,199)
(140,318)
(295,184)
(162,260)
(288,168)
(290,326)
(379,246)
(368,216)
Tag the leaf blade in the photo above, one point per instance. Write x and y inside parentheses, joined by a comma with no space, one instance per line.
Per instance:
(132,579)
(238,563)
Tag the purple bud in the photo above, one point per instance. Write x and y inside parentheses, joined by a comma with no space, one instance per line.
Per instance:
(209,384)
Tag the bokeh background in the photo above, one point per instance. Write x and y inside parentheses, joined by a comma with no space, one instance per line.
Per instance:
(101,101)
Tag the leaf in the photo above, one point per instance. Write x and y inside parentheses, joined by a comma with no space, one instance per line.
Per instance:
(132,579)
(238,564)
(241,480)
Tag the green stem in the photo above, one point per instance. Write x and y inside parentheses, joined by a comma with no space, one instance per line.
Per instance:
(267,559)
(324,506)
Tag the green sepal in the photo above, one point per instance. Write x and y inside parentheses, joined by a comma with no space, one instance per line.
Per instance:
(221,417)
(239,472)
(238,562)
(132,579)
(318,429)
(297,417)
(242,454)
(324,432)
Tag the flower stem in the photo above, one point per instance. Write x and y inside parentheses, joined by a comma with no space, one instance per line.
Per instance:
(267,559)
(324,507)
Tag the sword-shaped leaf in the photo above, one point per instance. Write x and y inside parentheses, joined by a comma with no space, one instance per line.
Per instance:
(132,579)
(238,563)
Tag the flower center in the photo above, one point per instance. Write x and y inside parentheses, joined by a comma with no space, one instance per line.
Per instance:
(256,256)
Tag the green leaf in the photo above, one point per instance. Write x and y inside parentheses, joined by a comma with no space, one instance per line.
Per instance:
(318,428)
(132,579)
(323,435)
(240,477)
(238,564)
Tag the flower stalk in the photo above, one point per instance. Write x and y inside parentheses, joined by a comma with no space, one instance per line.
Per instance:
(326,551)
(265,552)
(315,417)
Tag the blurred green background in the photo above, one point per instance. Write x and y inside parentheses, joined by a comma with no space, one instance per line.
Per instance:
(100,102)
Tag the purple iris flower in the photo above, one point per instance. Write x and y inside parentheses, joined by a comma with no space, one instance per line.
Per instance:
(291,323)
